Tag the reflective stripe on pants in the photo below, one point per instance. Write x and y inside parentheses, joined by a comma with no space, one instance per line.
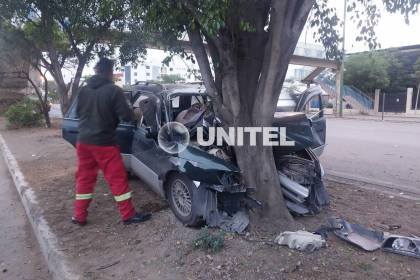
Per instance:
(122,197)
(91,158)
(84,196)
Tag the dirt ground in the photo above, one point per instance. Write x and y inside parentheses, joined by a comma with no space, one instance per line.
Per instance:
(162,248)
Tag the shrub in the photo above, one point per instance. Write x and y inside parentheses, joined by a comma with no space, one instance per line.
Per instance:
(209,241)
(23,114)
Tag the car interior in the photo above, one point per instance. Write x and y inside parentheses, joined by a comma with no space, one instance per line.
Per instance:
(187,109)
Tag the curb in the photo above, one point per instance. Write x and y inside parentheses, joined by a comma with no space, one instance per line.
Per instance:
(58,264)
(402,120)
(392,191)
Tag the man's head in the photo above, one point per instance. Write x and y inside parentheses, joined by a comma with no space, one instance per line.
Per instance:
(105,67)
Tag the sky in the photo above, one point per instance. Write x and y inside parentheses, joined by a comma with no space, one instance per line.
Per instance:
(392,31)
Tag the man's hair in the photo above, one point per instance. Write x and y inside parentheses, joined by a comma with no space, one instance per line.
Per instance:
(104,66)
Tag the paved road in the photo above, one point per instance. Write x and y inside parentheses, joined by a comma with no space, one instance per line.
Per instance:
(377,152)
(20,257)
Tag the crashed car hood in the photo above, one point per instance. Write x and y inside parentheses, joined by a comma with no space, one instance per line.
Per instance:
(206,160)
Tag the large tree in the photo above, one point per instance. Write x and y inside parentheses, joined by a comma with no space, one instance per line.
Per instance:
(368,71)
(243,48)
(27,61)
(91,28)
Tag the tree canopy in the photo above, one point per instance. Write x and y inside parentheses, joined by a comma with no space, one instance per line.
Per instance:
(367,71)
(172,78)
(74,32)
(389,70)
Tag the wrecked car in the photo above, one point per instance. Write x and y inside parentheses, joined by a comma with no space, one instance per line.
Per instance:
(203,184)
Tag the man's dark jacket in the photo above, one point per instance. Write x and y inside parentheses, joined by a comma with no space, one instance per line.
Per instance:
(101,105)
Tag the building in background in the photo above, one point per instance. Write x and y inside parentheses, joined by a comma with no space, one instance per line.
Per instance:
(152,69)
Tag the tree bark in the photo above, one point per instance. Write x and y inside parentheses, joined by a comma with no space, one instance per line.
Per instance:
(81,63)
(251,67)
(63,90)
(46,107)
(259,171)
(42,105)
(76,81)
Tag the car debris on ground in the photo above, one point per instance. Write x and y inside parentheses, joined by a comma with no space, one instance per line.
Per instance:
(364,238)
(372,240)
(301,240)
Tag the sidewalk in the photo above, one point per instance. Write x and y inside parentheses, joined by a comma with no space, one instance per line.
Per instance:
(20,256)
(387,118)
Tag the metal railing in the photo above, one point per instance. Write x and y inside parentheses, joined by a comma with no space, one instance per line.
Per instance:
(349,91)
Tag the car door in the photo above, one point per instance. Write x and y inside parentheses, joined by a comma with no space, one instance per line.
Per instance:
(149,161)
(311,103)
(70,130)
(70,124)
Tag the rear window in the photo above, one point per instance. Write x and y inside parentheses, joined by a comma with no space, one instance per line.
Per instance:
(286,101)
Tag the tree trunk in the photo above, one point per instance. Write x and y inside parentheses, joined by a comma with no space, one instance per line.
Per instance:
(76,81)
(251,69)
(64,98)
(43,107)
(62,89)
(45,112)
(259,171)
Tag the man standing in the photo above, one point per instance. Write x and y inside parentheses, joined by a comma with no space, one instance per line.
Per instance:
(101,106)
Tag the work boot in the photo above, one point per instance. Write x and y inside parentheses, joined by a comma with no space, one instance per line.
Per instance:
(77,222)
(138,218)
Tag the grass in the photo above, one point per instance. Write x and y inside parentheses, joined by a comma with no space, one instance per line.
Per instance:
(209,241)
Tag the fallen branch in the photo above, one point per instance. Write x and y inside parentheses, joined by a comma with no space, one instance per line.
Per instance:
(108,265)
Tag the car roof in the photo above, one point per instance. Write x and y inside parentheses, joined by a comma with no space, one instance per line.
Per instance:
(166,90)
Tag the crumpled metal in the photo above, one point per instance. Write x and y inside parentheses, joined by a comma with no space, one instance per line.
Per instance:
(300,240)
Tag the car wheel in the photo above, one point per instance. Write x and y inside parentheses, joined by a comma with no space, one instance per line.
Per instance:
(181,192)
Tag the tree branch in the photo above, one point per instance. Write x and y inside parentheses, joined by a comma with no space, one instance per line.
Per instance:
(71,38)
(287,20)
(200,53)
(202,59)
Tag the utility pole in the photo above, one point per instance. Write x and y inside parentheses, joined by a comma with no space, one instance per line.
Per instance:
(341,89)
(383,105)
(417,99)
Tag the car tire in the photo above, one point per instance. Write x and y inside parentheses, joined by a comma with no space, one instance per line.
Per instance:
(181,192)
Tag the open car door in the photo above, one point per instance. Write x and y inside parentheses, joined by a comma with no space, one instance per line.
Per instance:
(70,130)
(310,102)
(70,125)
